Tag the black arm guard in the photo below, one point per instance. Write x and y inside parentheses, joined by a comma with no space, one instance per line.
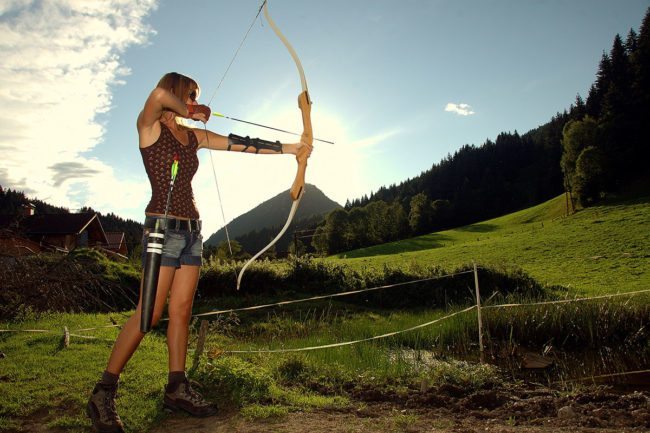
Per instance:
(256,143)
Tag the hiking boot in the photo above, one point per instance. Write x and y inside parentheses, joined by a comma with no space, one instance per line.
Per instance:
(181,396)
(101,409)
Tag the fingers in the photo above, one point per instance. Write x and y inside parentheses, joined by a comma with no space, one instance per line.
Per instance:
(303,153)
(200,117)
(305,147)
(305,143)
(199,112)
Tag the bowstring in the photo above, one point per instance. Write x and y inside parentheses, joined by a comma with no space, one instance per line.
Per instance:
(223,77)
(223,215)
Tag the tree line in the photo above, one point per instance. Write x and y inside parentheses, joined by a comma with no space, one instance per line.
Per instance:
(606,144)
(13,203)
(244,246)
(597,146)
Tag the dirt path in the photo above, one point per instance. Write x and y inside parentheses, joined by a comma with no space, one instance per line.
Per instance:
(449,409)
(373,420)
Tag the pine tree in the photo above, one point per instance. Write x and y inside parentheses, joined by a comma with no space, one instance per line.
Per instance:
(641,61)
(600,87)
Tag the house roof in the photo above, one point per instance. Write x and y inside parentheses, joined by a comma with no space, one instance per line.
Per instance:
(58,224)
(114,240)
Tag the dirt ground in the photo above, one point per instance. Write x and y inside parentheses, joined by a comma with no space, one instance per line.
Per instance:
(515,408)
(448,409)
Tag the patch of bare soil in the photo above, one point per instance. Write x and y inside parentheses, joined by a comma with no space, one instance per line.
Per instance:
(528,409)
(448,408)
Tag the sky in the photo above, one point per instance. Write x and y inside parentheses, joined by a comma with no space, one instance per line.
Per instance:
(397,85)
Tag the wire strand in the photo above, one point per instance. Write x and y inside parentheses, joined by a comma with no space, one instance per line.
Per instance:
(223,77)
(223,214)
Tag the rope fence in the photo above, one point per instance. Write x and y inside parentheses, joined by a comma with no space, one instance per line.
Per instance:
(478,307)
(348,343)
(259,307)
(564,301)
(334,295)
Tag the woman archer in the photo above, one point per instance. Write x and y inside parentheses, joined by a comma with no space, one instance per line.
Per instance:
(162,139)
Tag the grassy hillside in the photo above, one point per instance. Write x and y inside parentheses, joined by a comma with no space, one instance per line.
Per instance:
(45,384)
(602,249)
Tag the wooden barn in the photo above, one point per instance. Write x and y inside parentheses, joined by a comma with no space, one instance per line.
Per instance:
(65,232)
(117,243)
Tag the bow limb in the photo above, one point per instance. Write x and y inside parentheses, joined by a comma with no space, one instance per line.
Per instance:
(307,139)
(304,103)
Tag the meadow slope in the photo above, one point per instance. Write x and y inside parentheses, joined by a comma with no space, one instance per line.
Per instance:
(602,249)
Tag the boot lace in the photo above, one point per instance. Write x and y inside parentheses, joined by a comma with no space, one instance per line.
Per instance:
(193,396)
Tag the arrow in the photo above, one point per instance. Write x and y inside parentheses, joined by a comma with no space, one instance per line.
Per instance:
(264,126)
(174,168)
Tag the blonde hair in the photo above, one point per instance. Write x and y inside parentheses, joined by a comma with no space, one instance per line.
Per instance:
(181,86)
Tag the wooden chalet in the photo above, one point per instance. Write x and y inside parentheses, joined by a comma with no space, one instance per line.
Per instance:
(117,243)
(25,233)
(65,232)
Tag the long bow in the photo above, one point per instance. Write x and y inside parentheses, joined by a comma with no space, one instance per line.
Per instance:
(304,103)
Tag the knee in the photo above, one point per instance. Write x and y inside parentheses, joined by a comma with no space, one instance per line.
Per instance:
(156,318)
(180,311)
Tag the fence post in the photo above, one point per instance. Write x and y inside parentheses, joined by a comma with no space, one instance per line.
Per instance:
(480,319)
(66,337)
(200,344)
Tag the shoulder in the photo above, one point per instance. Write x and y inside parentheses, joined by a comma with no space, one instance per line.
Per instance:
(148,135)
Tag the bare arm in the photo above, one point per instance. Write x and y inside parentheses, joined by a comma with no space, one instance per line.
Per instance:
(213,141)
(148,123)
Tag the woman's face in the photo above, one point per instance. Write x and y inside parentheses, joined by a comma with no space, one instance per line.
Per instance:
(192,97)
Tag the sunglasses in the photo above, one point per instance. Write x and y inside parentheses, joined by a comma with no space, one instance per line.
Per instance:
(193,95)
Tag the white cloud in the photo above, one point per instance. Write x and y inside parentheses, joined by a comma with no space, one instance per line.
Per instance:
(60,59)
(460,109)
(374,140)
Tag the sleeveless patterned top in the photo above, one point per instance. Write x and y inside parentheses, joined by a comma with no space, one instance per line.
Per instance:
(158,159)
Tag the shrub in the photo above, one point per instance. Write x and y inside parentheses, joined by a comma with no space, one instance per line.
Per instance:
(235,381)
(304,275)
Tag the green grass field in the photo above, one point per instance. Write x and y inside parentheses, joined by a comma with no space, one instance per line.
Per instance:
(42,381)
(603,249)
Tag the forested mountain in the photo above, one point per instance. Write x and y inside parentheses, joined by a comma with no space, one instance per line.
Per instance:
(594,148)
(257,227)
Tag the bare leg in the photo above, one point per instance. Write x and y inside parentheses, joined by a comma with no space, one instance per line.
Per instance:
(180,313)
(130,336)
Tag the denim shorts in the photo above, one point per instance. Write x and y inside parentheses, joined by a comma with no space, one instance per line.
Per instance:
(181,247)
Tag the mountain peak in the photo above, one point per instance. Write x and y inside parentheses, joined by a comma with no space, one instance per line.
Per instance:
(274,212)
